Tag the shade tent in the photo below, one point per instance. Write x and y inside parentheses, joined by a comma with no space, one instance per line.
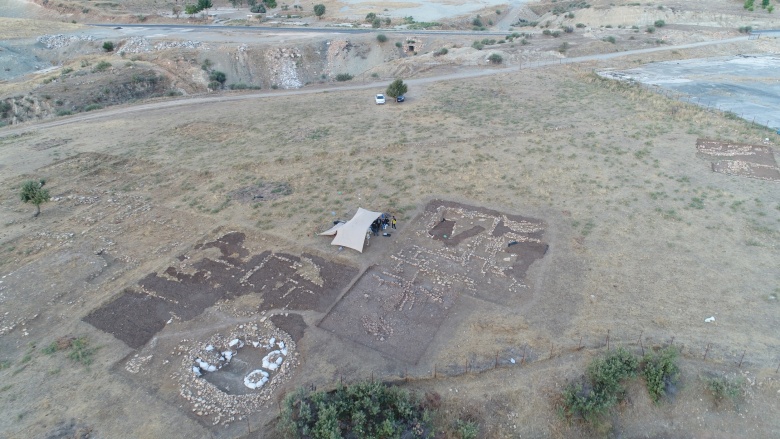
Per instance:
(352,234)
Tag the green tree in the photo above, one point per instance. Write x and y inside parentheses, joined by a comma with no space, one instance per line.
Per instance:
(376,23)
(381,38)
(191,9)
(217,76)
(108,46)
(495,58)
(396,88)
(319,10)
(270,3)
(33,192)
(370,17)
(204,5)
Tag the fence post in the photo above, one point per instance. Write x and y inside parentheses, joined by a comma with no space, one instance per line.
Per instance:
(742,358)
(706,351)
(607,339)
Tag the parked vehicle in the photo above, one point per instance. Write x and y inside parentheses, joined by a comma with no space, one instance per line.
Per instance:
(380,99)
(400,98)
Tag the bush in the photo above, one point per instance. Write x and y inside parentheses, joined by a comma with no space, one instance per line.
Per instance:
(568,29)
(370,17)
(258,9)
(610,39)
(440,52)
(660,372)
(381,38)
(659,23)
(215,85)
(650,29)
(92,107)
(602,388)
(563,47)
(580,25)
(722,388)
(495,58)
(376,23)
(343,77)
(217,76)
(242,86)
(398,44)
(101,66)
(271,3)
(358,410)
(477,21)
(745,29)
(477,45)
(108,46)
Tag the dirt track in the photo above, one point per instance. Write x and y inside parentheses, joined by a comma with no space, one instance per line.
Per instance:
(200,100)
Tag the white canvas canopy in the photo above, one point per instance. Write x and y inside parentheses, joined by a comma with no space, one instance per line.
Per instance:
(352,234)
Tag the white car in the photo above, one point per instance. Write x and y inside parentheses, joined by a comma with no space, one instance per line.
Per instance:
(380,99)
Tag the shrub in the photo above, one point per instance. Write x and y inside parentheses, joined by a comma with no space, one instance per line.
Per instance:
(376,23)
(660,372)
(398,44)
(563,47)
(659,23)
(568,29)
(580,25)
(101,66)
(440,52)
(343,77)
(609,39)
(601,388)
(242,86)
(358,410)
(108,46)
(477,21)
(215,85)
(650,29)
(92,107)
(722,388)
(370,17)
(477,45)
(217,76)
(745,29)
(258,9)
(381,38)
(495,58)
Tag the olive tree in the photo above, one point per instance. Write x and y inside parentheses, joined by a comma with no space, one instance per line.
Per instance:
(33,192)
(396,88)
(319,10)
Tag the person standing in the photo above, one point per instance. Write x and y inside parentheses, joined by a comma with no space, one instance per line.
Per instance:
(392,222)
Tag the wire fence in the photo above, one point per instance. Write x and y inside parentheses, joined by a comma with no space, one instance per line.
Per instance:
(525,355)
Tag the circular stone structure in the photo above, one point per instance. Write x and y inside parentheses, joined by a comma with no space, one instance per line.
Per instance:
(228,377)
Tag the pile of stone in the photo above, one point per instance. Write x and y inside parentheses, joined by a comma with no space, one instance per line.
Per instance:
(59,40)
(143,45)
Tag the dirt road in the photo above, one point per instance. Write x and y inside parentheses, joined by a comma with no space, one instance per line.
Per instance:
(200,100)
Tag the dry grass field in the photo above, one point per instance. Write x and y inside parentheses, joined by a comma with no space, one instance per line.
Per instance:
(177,211)
(645,239)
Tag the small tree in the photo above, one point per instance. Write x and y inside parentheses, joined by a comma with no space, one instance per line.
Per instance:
(376,23)
(191,9)
(204,5)
(396,88)
(381,38)
(495,58)
(108,46)
(370,17)
(177,10)
(33,192)
(319,10)
(217,76)
(270,3)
